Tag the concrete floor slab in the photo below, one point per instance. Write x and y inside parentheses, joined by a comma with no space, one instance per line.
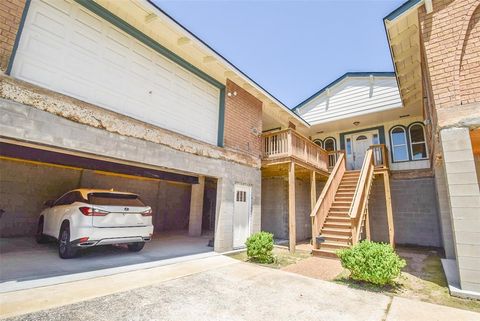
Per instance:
(23,261)
(409,310)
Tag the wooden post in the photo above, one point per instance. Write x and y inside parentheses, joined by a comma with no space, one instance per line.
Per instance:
(367,224)
(388,201)
(313,190)
(291,207)
(313,201)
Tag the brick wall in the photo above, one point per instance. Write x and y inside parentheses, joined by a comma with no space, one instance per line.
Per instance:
(451,38)
(10,16)
(243,113)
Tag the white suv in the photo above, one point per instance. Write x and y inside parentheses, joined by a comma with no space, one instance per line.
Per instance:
(89,217)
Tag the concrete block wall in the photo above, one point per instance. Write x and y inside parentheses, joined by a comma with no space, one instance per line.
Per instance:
(415,213)
(243,117)
(44,128)
(464,200)
(10,16)
(24,188)
(170,202)
(275,207)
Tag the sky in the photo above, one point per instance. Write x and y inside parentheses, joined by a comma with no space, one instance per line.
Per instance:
(291,48)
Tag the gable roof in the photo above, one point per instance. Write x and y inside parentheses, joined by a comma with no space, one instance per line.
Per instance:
(345,75)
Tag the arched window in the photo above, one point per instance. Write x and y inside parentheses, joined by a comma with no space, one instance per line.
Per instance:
(418,145)
(329,144)
(398,139)
(318,142)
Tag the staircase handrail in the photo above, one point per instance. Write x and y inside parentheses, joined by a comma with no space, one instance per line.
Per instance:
(327,197)
(360,197)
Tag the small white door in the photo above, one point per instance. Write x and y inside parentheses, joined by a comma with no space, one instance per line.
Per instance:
(242,209)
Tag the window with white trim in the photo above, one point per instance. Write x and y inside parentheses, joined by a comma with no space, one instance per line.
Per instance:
(329,144)
(318,142)
(418,144)
(398,139)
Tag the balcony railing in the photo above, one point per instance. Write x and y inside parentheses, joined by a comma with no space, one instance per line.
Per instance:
(288,143)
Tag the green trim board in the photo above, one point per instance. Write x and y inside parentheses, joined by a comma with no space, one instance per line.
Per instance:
(381,134)
(17,37)
(402,9)
(140,36)
(221,118)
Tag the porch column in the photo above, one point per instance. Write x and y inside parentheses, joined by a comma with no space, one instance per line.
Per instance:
(388,201)
(196,208)
(291,207)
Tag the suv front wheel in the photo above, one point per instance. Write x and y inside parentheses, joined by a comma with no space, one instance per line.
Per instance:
(65,248)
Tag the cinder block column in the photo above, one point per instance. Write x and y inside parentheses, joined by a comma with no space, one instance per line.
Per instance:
(464,200)
(196,208)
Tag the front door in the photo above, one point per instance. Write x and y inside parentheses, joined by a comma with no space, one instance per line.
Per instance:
(241,214)
(360,143)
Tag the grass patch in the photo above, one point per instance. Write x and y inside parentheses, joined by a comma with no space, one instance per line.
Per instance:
(422,279)
(282,257)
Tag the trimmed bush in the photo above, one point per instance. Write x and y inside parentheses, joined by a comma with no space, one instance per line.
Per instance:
(376,263)
(260,247)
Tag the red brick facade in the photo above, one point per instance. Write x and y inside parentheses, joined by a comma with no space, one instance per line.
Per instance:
(243,120)
(451,40)
(10,16)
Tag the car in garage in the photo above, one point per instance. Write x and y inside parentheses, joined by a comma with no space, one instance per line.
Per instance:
(84,218)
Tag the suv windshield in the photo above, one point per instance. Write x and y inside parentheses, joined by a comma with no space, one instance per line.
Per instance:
(115,199)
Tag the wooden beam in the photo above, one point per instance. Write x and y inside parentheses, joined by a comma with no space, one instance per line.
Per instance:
(388,201)
(291,207)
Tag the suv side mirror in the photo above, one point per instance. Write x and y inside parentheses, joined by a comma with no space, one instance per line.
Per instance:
(49,203)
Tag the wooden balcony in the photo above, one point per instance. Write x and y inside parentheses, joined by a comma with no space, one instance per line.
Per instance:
(286,145)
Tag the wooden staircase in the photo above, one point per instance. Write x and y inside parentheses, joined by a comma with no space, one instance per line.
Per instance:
(336,232)
(341,212)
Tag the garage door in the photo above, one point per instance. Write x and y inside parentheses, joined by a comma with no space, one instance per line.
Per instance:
(66,48)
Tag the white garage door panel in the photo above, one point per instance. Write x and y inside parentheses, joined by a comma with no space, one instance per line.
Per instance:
(68,49)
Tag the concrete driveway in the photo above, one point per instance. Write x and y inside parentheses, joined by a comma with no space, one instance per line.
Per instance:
(22,259)
(215,288)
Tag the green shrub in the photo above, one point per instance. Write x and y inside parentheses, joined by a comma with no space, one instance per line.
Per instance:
(376,263)
(260,247)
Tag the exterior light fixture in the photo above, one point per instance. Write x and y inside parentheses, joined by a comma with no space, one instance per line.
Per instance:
(356,123)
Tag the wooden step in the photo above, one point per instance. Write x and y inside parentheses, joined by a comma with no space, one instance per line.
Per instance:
(335,231)
(336,238)
(336,224)
(324,253)
(340,207)
(333,246)
(341,203)
(339,218)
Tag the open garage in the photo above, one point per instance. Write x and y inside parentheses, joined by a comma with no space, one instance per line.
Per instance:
(31,175)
